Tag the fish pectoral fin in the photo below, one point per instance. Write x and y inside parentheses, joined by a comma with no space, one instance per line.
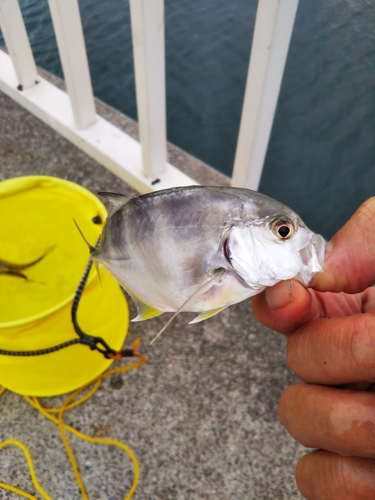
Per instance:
(115,200)
(206,286)
(145,311)
(207,314)
(97,269)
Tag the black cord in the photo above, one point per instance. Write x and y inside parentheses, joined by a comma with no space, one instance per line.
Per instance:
(95,343)
(38,352)
(89,340)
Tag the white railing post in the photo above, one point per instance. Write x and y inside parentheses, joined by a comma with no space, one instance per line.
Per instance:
(17,42)
(69,35)
(272,34)
(147,21)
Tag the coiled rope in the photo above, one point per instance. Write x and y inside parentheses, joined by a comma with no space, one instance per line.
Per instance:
(71,402)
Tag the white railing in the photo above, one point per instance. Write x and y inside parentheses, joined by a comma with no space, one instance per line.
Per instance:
(142,165)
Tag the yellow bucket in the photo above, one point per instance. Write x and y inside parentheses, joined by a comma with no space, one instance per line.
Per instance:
(35,312)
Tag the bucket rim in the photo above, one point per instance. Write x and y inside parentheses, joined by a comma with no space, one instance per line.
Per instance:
(16,185)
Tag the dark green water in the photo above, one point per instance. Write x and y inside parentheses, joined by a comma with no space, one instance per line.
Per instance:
(321,156)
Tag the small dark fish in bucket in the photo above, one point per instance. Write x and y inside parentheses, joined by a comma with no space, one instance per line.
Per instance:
(203,249)
(12,269)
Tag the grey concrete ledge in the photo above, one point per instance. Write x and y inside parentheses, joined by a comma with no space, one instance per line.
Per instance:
(201,415)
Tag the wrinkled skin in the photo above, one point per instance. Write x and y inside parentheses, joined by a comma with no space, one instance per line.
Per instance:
(331,346)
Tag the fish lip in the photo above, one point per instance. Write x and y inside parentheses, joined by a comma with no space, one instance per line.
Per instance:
(318,248)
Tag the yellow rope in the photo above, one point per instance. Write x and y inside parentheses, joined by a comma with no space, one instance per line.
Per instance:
(16,490)
(31,469)
(67,405)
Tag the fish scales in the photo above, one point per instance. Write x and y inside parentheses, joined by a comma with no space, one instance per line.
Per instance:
(203,248)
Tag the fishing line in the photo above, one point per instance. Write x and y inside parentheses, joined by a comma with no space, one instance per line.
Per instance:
(71,402)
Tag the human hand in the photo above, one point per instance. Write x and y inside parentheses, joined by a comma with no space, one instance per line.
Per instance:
(331,346)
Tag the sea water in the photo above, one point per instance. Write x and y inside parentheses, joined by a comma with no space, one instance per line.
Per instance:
(321,155)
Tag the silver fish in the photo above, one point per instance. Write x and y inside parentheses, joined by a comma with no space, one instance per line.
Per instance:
(203,249)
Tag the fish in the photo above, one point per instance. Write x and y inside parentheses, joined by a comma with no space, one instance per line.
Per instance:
(12,269)
(201,249)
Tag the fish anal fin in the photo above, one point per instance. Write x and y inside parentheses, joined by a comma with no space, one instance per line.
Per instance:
(115,200)
(207,314)
(145,311)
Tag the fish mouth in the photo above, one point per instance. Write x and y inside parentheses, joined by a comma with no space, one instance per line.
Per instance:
(313,256)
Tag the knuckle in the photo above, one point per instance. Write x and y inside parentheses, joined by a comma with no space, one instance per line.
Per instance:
(363,346)
(289,406)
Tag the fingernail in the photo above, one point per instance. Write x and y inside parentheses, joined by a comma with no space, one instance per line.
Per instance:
(279,295)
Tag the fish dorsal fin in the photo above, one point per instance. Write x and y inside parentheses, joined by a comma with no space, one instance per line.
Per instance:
(145,311)
(91,248)
(115,200)
(207,314)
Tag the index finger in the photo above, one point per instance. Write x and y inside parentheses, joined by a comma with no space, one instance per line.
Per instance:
(288,305)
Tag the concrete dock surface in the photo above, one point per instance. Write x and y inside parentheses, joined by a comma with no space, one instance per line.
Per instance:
(201,415)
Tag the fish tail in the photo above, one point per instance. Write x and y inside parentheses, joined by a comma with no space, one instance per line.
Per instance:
(18,274)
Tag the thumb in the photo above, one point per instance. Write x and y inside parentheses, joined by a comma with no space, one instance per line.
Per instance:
(350,265)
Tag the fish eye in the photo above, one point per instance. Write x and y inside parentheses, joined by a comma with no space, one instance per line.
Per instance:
(283,229)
